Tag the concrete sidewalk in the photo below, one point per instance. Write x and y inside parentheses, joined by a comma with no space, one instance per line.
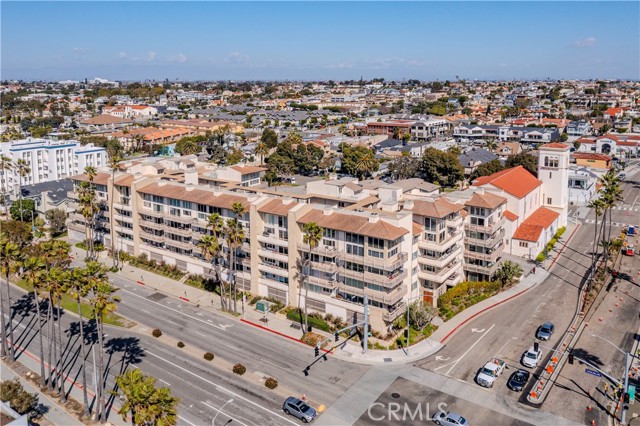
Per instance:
(351,351)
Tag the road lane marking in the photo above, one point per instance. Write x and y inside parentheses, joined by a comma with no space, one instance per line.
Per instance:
(503,346)
(175,310)
(469,350)
(224,414)
(185,420)
(222,388)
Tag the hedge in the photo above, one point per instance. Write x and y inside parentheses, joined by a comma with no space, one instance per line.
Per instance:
(313,320)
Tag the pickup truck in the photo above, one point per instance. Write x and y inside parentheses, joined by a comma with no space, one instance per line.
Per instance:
(490,372)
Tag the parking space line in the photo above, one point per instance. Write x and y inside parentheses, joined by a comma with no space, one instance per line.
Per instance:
(469,350)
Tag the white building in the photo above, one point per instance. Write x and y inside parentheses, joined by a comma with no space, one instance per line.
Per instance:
(48,160)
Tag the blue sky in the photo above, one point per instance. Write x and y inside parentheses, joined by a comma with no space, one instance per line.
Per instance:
(319,40)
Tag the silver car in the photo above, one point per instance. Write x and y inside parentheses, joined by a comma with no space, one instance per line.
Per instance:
(298,408)
(545,331)
(449,419)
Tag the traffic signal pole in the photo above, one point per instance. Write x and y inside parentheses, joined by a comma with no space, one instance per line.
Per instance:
(365,338)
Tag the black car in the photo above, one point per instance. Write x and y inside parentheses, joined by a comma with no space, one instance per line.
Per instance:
(518,379)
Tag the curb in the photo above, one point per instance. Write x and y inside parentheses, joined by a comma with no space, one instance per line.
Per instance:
(279,333)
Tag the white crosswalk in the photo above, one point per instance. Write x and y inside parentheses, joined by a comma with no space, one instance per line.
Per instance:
(627,209)
(599,221)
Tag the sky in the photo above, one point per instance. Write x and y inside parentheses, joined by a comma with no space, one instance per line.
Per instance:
(319,40)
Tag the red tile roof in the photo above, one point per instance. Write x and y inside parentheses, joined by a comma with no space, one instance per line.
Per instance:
(590,156)
(486,200)
(516,181)
(533,226)
(510,215)
(555,145)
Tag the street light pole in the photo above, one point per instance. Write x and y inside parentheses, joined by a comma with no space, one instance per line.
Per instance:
(213,421)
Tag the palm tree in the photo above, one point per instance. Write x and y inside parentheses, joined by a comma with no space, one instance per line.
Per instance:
(93,207)
(59,281)
(598,206)
(79,289)
(23,170)
(103,302)
(114,159)
(210,249)
(6,165)
(366,164)
(34,276)
(507,272)
(10,257)
(312,235)
(613,194)
(239,210)
(146,403)
(216,224)
(262,149)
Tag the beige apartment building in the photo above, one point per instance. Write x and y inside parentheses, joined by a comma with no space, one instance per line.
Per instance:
(393,243)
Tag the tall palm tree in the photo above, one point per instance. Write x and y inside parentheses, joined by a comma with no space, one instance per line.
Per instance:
(234,233)
(312,235)
(10,257)
(262,149)
(239,210)
(34,276)
(114,159)
(6,165)
(103,302)
(210,249)
(59,281)
(146,403)
(23,171)
(93,207)
(613,195)
(598,207)
(216,225)
(366,164)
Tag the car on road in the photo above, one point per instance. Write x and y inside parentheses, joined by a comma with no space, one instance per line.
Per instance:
(532,357)
(298,408)
(449,419)
(490,372)
(545,331)
(518,380)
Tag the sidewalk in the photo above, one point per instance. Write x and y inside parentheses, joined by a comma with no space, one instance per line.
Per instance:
(280,325)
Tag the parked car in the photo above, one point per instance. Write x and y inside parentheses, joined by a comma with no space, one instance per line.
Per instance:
(449,419)
(298,408)
(545,331)
(518,380)
(488,374)
(532,357)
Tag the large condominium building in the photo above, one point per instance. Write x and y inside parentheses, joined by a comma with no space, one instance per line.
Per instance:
(393,243)
(48,160)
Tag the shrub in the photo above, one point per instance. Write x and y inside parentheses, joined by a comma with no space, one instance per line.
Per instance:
(540,257)
(271,383)
(180,345)
(156,333)
(239,369)
(311,339)
(561,231)
(208,356)
(314,321)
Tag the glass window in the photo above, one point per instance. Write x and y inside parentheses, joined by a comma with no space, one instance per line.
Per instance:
(355,250)
(376,254)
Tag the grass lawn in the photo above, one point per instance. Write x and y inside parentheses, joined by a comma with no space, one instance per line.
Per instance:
(69,304)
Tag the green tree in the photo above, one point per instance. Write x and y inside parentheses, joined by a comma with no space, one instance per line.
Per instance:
(147,404)
(19,399)
(576,145)
(269,138)
(525,160)
(89,208)
(404,167)
(598,207)
(358,160)
(57,221)
(23,209)
(441,167)
(187,146)
(113,165)
(34,275)
(10,260)
(507,271)
(234,156)
(311,235)
(486,169)
(236,238)
(18,232)
(6,165)
(564,137)
(211,249)
(420,314)
(23,170)
(262,150)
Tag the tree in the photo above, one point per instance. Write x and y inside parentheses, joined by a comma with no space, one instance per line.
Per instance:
(440,167)
(576,145)
(486,169)
(18,232)
(113,165)
(34,276)
(58,280)
(10,258)
(525,160)
(598,207)
(507,272)
(23,171)
(19,399)
(57,221)
(147,404)
(234,156)
(261,149)
(420,314)
(564,137)
(269,138)
(23,209)
(187,146)
(237,236)
(88,207)
(312,235)
(6,165)
(281,165)
(404,167)
(358,160)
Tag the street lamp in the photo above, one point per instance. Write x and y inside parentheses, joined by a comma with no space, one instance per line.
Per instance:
(628,357)
(213,421)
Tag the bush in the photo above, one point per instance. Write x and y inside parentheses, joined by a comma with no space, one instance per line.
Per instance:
(271,383)
(19,399)
(180,345)
(311,339)
(208,356)
(313,320)
(156,333)
(560,231)
(239,369)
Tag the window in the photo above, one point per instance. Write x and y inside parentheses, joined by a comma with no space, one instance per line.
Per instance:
(355,250)
(524,244)
(355,238)
(377,243)
(477,221)
(329,233)
(353,283)
(550,161)
(549,200)
(393,252)
(376,254)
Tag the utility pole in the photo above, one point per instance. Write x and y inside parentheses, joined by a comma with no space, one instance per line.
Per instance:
(365,337)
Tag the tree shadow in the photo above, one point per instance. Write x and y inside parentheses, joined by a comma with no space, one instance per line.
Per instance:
(587,356)
(132,354)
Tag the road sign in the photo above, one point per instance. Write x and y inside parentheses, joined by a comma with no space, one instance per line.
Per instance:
(632,393)
(593,372)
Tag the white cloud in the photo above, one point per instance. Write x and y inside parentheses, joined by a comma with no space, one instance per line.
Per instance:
(180,58)
(122,55)
(586,42)
(338,66)
(151,56)
(80,49)
(237,58)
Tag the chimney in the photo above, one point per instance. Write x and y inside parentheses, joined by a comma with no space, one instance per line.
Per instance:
(408,205)
(327,210)
(189,187)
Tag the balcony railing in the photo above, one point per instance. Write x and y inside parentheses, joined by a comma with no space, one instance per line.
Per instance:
(390,298)
(186,245)
(486,270)
(488,228)
(442,260)
(330,267)
(321,250)
(386,264)
(272,254)
(152,213)
(449,240)
(183,232)
(489,242)
(492,256)
(153,237)
(388,281)
(76,226)
(330,283)
(442,275)
(185,220)
(395,312)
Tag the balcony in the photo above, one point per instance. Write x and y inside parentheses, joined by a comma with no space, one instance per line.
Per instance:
(442,275)
(387,281)
(330,283)
(274,269)
(449,240)
(489,242)
(76,226)
(454,223)
(185,220)
(395,312)
(485,270)
(117,216)
(441,261)
(153,213)
(488,228)
(151,224)
(329,267)
(386,264)
(491,256)
(152,237)
(183,232)
(273,283)
(272,255)
(390,298)
(76,216)
(321,250)
(185,245)
(272,238)
(73,195)
(122,204)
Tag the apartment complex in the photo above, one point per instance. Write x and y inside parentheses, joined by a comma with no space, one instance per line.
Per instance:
(395,243)
(48,160)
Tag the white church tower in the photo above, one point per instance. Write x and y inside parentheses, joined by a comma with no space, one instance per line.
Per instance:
(553,171)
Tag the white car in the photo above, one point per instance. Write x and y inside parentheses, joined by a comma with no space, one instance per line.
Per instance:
(449,419)
(532,357)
